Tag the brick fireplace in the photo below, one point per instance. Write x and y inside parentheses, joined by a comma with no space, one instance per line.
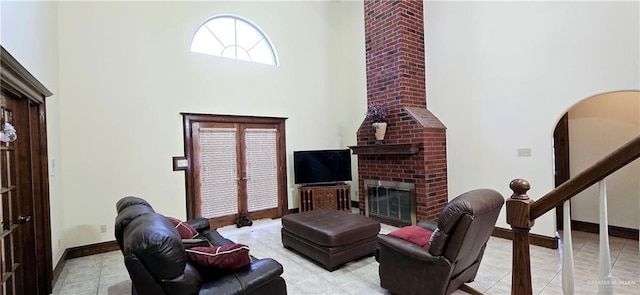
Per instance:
(414,152)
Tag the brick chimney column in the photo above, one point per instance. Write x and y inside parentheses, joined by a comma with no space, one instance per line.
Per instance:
(394,36)
(395,64)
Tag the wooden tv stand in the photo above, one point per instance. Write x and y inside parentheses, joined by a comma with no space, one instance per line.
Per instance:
(327,196)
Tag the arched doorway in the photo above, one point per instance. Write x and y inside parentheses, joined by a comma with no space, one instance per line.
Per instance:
(588,131)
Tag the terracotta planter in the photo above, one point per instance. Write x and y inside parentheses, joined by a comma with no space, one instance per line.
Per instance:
(380,129)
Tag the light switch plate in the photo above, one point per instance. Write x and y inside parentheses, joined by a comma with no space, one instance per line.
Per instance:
(524,152)
(180,163)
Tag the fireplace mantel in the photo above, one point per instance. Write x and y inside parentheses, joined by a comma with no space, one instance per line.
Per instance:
(387,149)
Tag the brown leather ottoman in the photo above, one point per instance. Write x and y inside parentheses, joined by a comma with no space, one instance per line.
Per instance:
(330,237)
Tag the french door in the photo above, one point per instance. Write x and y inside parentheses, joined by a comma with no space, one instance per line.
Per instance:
(25,238)
(236,166)
(12,227)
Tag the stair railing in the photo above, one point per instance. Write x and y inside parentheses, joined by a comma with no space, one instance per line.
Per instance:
(605,277)
(522,211)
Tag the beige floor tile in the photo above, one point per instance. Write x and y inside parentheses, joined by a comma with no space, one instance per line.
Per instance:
(79,288)
(119,288)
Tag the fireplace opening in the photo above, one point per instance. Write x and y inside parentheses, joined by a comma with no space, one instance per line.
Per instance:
(390,202)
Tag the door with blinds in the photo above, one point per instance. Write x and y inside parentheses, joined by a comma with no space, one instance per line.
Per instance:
(237,167)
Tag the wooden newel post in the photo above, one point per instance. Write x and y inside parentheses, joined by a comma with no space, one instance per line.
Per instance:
(519,217)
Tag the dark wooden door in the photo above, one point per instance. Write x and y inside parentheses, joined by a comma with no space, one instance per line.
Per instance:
(15,225)
(237,166)
(260,171)
(216,158)
(561,156)
(25,239)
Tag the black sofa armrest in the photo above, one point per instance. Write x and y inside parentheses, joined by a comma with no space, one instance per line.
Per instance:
(215,237)
(245,280)
(200,224)
(190,243)
(428,224)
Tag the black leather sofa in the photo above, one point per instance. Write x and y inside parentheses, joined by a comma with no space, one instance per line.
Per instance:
(155,258)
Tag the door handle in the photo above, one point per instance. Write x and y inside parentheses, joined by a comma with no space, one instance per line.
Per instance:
(23,219)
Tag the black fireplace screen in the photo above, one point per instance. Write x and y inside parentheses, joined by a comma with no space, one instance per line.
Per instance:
(393,202)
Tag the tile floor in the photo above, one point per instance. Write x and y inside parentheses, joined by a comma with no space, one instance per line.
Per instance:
(105,273)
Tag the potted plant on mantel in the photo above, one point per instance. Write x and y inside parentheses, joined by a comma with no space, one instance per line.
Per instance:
(378,112)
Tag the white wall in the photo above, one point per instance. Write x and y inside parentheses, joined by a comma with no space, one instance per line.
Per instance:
(597,127)
(126,73)
(29,33)
(350,85)
(501,74)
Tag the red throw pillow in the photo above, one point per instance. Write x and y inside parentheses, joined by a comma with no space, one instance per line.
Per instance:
(413,234)
(185,230)
(227,257)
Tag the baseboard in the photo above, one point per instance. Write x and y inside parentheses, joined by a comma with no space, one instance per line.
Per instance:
(92,249)
(59,267)
(534,239)
(614,231)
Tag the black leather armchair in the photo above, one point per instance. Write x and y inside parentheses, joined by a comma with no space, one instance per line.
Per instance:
(453,257)
(157,263)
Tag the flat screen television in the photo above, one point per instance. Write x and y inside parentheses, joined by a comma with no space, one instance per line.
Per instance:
(321,166)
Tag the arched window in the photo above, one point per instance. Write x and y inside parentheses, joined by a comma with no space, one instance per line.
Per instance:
(232,36)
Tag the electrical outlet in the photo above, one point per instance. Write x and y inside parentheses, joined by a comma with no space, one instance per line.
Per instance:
(103,228)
